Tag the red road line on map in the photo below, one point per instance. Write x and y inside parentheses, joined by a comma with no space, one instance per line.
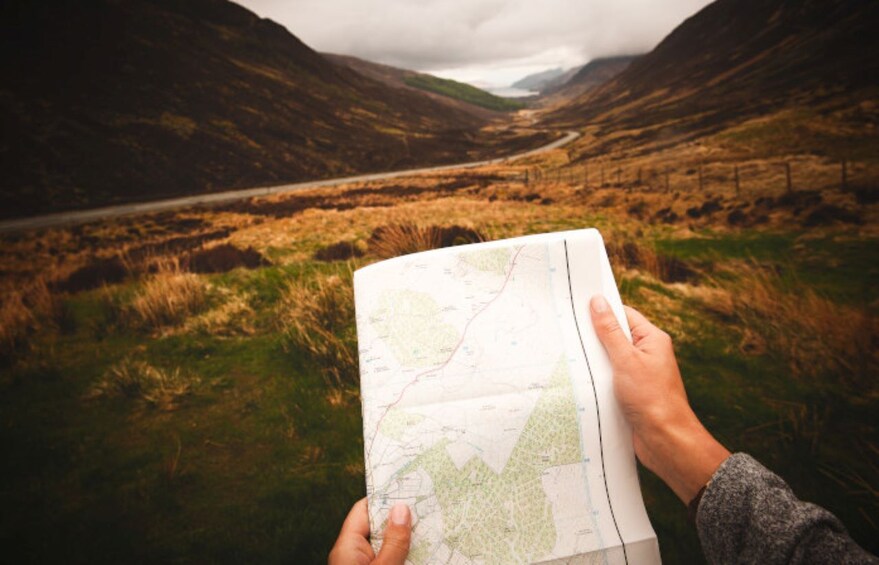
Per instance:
(451,355)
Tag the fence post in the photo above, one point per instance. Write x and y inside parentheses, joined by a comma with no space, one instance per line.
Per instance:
(790,186)
(639,176)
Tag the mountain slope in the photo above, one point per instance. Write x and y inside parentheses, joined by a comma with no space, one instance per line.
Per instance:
(735,59)
(403,78)
(561,80)
(591,75)
(105,101)
(538,81)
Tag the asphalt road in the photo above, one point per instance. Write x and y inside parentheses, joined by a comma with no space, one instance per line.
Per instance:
(84,216)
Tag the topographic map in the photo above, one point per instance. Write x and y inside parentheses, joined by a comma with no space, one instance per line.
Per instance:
(487,405)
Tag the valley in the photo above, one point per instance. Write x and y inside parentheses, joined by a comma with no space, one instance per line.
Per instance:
(182,384)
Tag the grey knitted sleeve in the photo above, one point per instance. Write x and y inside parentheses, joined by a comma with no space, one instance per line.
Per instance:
(749,515)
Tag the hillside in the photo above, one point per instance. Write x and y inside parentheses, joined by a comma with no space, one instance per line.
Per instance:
(111,101)
(734,60)
(538,81)
(397,78)
(591,75)
(562,79)
(464,92)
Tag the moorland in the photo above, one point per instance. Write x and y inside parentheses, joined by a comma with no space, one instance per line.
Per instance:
(183,386)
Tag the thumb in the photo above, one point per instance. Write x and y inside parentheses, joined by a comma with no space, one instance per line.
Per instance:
(609,331)
(398,533)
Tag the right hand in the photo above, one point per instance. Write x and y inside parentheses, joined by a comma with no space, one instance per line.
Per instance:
(668,437)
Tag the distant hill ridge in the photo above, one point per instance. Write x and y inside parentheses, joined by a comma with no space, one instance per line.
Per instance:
(538,81)
(462,96)
(591,75)
(109,101)
(737,58)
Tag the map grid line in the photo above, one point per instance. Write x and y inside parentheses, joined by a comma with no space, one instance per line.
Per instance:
(595,395)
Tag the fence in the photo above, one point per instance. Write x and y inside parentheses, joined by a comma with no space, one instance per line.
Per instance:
(757,176)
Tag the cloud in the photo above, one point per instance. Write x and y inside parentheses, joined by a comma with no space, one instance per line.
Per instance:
(472,35)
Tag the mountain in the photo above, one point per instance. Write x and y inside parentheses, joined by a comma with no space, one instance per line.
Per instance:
(591,75)
(107,101)
(562,79)
(538,81)
(460,95)
(733,60)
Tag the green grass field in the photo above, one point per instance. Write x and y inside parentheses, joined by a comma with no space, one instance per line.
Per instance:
(247,448)
(465,92)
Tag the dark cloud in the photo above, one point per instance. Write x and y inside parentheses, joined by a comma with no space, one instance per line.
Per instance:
(479,38)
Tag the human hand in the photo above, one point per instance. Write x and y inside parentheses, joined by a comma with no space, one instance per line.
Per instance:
(352,546)
(669,439)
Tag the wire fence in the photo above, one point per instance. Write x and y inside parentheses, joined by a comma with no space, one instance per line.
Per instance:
(739,178)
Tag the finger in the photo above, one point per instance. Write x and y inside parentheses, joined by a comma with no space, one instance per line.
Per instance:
(640,326)
(608,329)
(357,522)
(398,534)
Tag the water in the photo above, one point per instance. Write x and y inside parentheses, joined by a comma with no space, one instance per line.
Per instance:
(510,92)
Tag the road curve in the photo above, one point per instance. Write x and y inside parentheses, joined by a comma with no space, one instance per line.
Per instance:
(84,216)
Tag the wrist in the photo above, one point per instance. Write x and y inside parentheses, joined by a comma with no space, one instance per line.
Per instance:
(683,453)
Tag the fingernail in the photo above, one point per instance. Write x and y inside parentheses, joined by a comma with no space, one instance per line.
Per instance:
(599,304)
(399,514)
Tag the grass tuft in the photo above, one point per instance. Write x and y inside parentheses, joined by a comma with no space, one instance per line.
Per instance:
(401,239)
(24,312)
(317,316)
(139,380)
(167,298)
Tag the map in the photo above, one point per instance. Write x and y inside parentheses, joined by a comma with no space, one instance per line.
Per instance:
(488,407)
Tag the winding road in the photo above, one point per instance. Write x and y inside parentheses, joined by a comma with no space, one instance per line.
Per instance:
(84,216)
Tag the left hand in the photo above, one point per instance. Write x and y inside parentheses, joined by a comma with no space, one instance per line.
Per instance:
(353,547)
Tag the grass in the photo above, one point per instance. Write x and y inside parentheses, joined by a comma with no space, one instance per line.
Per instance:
(167,298)
(22,313)
(317,316)
(139,380)
(464,92)
(259,459)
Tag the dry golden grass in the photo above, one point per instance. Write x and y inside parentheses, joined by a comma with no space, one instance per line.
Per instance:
(234,316)
(817,336)
(139,380)
(402,239)
(167,298)
(23,312)
(317,317)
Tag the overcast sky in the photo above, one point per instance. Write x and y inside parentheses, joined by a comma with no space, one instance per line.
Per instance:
(488,42)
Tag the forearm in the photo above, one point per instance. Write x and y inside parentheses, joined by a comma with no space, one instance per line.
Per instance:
(749,515)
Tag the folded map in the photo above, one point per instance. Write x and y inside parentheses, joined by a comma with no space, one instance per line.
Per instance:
(488,405)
